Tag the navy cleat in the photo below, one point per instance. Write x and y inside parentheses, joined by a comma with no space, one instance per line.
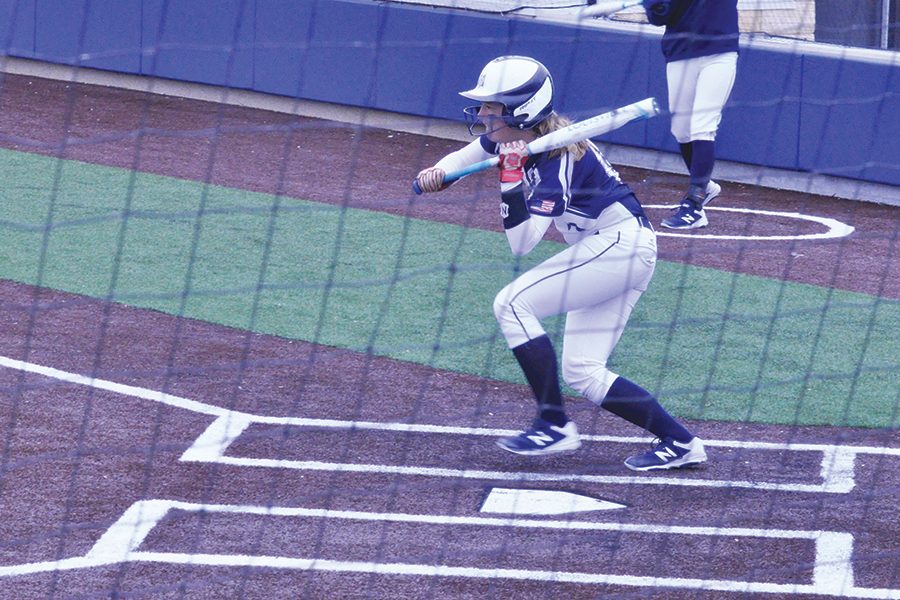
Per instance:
(689,215)
(668,454)
(542,438)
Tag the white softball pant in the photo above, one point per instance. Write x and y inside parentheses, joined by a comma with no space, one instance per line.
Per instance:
(597,283)
(698,90)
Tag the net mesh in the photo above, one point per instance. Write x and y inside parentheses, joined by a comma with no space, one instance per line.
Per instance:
(241,359)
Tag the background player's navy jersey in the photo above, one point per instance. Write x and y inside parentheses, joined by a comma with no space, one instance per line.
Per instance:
(574,192)
(697,28)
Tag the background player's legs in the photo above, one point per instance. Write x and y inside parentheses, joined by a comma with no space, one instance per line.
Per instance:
(686,154)
(715,80)
(682,80)
(698,91)
(682,85)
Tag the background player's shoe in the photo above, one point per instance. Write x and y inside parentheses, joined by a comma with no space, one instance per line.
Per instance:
(668,454)
(688,216)
(542,438)
(713,189)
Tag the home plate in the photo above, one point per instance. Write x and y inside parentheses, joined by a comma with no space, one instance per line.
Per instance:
(541,502)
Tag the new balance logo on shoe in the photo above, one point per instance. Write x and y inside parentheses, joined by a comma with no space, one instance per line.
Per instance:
(668,454)
(542,438)
(687,216)
(690,214)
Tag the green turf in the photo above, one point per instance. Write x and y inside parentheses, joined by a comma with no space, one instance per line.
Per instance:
(712,344)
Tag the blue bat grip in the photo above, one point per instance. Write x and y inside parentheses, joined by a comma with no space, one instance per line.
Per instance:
(451,177)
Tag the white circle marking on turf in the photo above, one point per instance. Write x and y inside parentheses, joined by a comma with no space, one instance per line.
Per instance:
(836,229)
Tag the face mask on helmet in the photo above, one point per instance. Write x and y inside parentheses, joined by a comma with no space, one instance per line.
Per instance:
(521,84)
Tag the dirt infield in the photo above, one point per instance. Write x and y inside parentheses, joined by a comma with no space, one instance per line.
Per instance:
(79,452)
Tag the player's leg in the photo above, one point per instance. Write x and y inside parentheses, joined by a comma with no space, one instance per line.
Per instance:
(600,267)
(583,274)
(682,81)
(715,81)
(591,335)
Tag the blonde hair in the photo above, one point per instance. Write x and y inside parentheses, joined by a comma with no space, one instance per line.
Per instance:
(553,122)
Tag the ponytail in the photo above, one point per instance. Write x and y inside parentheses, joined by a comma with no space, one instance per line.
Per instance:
(554,122)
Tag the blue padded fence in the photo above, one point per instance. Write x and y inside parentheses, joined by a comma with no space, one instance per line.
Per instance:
(837,114)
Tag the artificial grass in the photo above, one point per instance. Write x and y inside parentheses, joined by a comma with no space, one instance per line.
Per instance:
(712,344)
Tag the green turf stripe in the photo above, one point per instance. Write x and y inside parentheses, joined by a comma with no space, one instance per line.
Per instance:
(714,345)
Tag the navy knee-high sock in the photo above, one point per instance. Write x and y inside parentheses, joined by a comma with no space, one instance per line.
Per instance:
(538,361)
(686,154)
(636,405)
(703,159)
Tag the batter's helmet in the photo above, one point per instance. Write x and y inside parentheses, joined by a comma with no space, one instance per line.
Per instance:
(521,84)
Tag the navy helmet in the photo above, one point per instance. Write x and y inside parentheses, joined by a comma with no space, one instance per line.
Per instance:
(521,84)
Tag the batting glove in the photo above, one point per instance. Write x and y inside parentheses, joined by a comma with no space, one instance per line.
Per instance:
(512,161)
(431,179)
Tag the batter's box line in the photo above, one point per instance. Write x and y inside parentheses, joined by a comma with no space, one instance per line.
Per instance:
(832,570)
(837,468)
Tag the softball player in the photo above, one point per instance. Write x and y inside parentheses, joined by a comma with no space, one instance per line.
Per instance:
(700,45)
(596,281)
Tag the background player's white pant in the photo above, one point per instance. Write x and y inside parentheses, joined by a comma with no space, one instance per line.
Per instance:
(698,90)
(597,282)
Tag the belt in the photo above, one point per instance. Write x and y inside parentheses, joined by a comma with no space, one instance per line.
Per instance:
(641,219)
(644,221)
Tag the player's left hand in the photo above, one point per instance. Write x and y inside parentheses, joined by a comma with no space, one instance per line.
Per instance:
(512,161)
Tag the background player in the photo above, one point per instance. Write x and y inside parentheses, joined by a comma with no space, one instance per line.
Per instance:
(596,281)
(700,45)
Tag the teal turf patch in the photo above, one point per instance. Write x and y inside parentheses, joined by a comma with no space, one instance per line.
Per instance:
(711,344)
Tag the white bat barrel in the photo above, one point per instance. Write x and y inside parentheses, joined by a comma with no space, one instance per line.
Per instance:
(595,126)
(582,130)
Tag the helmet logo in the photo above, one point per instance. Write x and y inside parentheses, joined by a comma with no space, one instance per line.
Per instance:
(538,102)
(521,84)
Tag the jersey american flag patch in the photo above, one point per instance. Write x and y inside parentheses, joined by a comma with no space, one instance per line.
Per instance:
(544,206)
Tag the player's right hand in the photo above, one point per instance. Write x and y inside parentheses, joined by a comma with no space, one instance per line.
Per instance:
(513,156)
(431,179)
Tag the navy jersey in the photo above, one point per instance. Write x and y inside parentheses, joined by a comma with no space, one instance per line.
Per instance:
(574,192)
(696,27)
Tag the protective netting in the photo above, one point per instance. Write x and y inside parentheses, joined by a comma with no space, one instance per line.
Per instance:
(240,358)
(871,24)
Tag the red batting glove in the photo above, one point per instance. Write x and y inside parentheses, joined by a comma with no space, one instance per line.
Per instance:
(512,161)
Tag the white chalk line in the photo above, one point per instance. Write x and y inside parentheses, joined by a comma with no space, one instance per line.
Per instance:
(834,228)
(837,468)
(832,575)
(832,571)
